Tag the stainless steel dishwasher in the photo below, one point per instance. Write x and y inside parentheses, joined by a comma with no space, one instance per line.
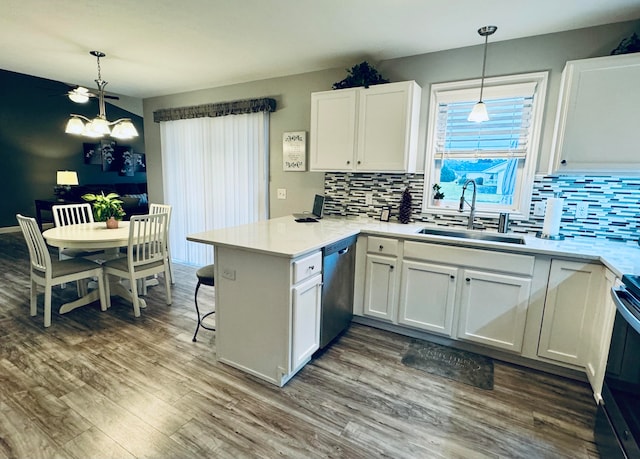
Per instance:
(338,272)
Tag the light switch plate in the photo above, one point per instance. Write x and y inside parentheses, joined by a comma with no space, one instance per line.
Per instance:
(539,208)
(282,193)
(582,210)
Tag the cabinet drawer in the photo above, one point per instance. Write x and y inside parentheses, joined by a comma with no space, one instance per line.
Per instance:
(382,246)
(307,267)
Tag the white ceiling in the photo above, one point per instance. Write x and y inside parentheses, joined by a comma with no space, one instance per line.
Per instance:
(159,47)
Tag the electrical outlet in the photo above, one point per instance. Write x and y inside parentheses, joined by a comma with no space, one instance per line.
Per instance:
(282,193)
(368,199)
(539,208)
(582,210)
(229,273)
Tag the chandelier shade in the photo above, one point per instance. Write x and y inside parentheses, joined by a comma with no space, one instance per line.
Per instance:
(99,126)
(479,112)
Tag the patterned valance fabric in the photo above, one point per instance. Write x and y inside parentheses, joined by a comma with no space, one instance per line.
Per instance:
(237,107)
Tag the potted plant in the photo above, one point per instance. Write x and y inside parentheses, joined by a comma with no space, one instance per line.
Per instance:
(437,194)
(106,208)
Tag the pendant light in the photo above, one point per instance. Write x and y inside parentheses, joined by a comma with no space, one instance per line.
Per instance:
(479,112)
(99,126)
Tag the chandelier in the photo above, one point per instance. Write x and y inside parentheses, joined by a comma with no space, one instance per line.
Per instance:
(99,126)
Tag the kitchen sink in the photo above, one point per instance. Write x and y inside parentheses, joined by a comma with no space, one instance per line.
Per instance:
(471,234)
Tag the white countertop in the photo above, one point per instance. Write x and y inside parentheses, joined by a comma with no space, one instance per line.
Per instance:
(285,237)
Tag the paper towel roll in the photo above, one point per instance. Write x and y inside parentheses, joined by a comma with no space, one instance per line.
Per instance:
(552,217)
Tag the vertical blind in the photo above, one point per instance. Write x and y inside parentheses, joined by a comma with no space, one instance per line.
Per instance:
(215,175)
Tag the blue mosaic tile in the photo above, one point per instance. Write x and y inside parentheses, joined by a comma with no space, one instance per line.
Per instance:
(614,202)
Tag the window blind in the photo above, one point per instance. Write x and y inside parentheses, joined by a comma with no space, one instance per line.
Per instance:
(505,135)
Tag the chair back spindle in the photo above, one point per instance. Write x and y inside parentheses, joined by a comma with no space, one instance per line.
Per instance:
(72,214)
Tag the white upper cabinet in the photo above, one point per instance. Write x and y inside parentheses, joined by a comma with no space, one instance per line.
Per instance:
(333,129)
(597,121)
(371,129)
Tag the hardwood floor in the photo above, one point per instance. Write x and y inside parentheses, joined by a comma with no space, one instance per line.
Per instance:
(107,385)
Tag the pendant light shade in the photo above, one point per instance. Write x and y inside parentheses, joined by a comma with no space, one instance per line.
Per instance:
(479,112)
(99,126)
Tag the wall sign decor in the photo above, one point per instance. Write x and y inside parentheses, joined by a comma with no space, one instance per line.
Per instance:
(294,151)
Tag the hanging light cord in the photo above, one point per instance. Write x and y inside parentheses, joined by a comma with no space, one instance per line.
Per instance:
(484,63)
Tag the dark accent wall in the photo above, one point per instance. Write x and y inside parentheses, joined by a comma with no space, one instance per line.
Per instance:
(33,144)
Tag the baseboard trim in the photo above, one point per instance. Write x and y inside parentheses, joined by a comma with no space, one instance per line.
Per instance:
(9,229)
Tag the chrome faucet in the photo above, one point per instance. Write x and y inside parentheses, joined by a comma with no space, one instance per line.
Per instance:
(472,212)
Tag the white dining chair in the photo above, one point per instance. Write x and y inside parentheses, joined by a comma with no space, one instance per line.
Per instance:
(146,256)
(48,272)
(164,208)
(73,214)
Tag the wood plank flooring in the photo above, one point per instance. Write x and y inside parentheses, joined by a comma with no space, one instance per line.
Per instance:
(107,385)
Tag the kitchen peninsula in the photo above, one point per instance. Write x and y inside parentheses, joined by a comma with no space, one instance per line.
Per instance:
(269,279)
(268,285)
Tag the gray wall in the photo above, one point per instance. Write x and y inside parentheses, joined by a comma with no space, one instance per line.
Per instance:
(293,98)
(545,52)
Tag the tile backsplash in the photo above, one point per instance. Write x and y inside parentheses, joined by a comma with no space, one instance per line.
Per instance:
(614,202)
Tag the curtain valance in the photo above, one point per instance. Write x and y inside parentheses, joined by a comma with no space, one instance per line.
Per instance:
(237,107)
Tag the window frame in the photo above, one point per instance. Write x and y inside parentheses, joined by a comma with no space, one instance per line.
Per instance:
(520,208)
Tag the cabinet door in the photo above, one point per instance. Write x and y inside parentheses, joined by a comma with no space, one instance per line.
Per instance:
(600,338)
(597,124)
(380,287)
(305,333)
(427,296)
(333,130)
(573,294)
(387,138)
(493,309)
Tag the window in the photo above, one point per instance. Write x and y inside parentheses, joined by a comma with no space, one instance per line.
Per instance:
(499,155)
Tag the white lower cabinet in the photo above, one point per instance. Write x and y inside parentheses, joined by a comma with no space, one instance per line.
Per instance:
(427,296)
(600,339)
(455,292)
(381,278)
(493,309)
(268,311)
(306,299)
(380,287)
(573,297)
(551,310)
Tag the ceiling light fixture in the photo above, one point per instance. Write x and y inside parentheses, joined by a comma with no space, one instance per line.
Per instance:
(479,112)
(98,127)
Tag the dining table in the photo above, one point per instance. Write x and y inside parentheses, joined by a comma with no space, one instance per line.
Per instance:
(93,236)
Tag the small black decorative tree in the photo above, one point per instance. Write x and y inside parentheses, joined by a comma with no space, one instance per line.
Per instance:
(404,215)
(360,75)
